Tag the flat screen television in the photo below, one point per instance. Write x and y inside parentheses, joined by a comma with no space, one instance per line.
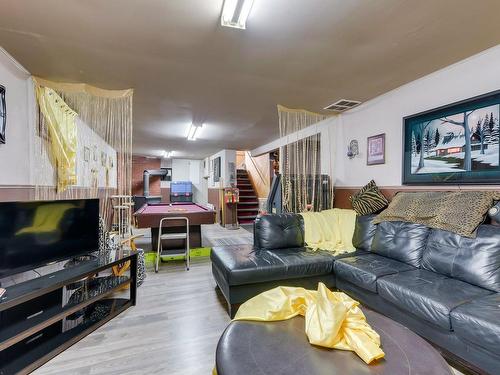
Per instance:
(36,233)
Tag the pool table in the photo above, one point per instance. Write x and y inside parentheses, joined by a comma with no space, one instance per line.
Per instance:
(149,216)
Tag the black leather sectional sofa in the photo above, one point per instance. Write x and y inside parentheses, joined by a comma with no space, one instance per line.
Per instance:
(440,285)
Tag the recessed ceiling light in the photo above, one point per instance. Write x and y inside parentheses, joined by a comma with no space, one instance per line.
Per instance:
(235,13)
(193,132)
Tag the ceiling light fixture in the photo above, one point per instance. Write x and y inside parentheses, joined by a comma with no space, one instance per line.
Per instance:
(193,132)
(235,13)
(167,154)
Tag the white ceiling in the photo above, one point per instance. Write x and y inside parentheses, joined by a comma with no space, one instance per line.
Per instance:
(185,67)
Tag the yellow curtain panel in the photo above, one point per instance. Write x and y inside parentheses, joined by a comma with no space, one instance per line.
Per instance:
(332,319)
(60,119)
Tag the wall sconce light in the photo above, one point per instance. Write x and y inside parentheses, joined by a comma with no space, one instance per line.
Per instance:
(494,212)
(352,149)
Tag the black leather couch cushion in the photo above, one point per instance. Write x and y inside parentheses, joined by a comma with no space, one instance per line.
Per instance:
(364,270)
(243,264)
(427,295)
(401,241)
(474,260)
(479,322)
(364,232)
(279,231)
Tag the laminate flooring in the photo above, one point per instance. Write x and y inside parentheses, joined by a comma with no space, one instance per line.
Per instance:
(174,329)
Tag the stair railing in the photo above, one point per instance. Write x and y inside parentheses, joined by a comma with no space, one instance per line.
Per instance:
(262,179)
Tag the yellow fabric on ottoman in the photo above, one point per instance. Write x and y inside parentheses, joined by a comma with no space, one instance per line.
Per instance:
(330,230)
(332,319)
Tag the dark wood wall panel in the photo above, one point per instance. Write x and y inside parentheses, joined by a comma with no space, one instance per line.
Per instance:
(165,195)
(16,193)
(213,198)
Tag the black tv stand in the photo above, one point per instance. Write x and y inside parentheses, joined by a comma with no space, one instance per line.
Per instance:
(42,317)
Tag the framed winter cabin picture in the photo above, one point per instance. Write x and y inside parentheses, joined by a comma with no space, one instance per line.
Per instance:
(454,144)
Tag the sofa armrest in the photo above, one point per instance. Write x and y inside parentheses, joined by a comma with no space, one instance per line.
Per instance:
(279,231)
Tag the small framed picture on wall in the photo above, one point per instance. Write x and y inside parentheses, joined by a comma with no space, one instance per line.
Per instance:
(86,154)
(375,150)
(3,114)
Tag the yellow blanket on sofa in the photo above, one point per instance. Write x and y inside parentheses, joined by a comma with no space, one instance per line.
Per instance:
(330,230)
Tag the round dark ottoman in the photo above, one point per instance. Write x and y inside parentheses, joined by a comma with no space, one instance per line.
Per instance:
(279,348)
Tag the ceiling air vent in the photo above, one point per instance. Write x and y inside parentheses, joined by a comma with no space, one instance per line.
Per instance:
(342,105)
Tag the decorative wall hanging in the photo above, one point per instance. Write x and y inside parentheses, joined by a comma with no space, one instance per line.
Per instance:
(3,114)
(375,149)
(217,169)
(352,149)
(454,144)
(104,158)
(86,154)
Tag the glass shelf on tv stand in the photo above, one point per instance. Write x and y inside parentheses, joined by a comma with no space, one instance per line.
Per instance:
(105,288)
(23,291)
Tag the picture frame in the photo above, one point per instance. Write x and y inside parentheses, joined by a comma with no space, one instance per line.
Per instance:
(217,169)
(86,154)
(95,153)
(456,143)
(3,114)
(375,149)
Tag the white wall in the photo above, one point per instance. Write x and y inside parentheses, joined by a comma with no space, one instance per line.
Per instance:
(15,153)
(20,161)
(473,76)
(329,132)
(191,170)
(188,170)
(89,172)
(228,174)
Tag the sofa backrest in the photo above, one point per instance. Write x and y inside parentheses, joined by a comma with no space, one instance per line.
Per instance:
(364,232)
(279,231)
(401,241)
(473,260)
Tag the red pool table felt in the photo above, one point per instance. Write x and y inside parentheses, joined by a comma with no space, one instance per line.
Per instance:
(162,208)
(149,215)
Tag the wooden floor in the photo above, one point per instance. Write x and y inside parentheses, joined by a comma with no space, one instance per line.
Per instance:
(174,329)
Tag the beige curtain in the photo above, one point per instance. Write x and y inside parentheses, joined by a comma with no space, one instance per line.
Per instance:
(109,114)
(301,163)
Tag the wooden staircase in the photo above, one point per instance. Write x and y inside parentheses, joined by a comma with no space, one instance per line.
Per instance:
(248,207)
